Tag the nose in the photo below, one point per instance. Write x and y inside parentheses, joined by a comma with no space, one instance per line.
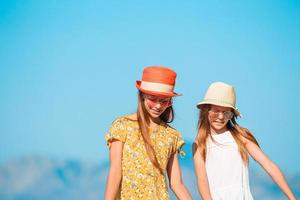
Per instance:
(158,105)
(221,115)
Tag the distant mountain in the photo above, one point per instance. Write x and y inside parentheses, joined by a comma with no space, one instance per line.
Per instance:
(32,178)
(40,178)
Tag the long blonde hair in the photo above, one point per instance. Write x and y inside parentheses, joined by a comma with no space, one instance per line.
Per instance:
(144,120)
(238,133)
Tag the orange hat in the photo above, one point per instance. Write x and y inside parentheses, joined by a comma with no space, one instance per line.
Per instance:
(158,80)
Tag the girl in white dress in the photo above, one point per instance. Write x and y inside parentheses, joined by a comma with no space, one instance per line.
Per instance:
(222,147)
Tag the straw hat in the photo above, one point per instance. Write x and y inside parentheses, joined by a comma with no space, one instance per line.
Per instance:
(220,94)
(158,80)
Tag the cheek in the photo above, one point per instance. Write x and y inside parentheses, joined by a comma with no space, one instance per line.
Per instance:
(149,104)
(209,120)
(169,104)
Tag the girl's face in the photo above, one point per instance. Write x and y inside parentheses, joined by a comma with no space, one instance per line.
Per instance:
(218,117)
(156,105)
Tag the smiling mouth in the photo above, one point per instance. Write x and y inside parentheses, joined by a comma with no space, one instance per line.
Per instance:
(221,123)
(155,111)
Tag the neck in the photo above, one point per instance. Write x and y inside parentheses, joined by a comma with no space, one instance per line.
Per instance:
(213,131)
(154,121)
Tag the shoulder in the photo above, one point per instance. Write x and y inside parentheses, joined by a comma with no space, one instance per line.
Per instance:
(247,136)
(172,131)
(194,147)
(176,138)
(175,134)
(132,116)
(121,121)
(125,118)
(195,143)
(199,144)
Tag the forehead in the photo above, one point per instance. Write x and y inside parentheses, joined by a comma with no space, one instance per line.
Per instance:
(220,108)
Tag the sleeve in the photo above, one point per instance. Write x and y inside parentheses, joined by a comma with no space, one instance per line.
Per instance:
(179,144)
(117,131)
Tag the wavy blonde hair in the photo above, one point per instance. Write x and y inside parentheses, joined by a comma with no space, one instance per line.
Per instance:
(144,120)
(239,134)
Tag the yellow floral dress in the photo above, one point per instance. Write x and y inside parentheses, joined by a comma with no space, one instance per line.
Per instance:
(140,178)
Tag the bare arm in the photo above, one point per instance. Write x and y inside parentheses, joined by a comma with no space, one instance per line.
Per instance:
(175,180)
(200,170)
(271,168)
(115,170)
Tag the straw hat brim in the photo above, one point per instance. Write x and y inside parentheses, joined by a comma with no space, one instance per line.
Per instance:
(155,93)
(210,102)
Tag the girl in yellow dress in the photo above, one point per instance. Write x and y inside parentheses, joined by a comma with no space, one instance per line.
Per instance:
(143,147)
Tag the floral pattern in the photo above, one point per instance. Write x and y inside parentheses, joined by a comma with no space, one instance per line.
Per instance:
(140,179)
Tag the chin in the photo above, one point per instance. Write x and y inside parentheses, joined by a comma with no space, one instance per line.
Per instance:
(218,128)
(155,115)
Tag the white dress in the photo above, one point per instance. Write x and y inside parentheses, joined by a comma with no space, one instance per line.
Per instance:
(227,174)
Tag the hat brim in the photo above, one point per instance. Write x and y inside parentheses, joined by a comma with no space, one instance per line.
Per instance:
(236,112)
(155,93)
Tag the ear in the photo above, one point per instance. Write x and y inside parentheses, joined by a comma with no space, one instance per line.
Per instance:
(170,102)
(142,96)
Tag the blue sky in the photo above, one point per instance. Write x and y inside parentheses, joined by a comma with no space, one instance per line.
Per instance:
(68,69)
